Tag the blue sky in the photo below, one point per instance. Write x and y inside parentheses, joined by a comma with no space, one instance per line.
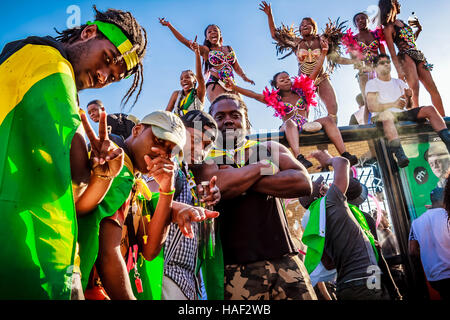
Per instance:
(244,27)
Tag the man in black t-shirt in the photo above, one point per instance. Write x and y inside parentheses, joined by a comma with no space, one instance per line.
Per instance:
(260,258)
(346,243)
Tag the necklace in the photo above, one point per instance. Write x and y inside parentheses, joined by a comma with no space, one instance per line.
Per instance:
(309,43)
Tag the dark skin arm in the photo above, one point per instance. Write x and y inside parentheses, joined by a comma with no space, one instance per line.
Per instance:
(291,181)
(320,61)
(414,248)
(107,161)
(240,72)
(201,86)
(232,182)
(203,49)
(172,100)
(246,92)
(340,165)
(267,9)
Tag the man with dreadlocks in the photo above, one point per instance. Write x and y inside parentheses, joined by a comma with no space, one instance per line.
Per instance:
(46,176)
(254,252)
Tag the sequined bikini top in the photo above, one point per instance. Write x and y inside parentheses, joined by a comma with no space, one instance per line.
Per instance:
(300,105)
(405,34)
(222,63)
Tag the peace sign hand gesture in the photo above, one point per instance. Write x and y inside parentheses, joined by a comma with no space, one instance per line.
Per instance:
(106,157)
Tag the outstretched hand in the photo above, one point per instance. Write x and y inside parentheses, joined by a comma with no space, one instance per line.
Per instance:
(265,7)
(164,22)
(195,46)
(184,215)
(248,80)
(106,157)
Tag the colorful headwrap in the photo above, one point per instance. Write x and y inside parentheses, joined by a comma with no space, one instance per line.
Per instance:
(118,38)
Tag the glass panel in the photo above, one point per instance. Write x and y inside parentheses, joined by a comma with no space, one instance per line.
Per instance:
(429,162)
(368,173)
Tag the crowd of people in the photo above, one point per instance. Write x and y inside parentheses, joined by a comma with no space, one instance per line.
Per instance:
(181,204)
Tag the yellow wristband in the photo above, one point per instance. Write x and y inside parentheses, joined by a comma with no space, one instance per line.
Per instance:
(167,193)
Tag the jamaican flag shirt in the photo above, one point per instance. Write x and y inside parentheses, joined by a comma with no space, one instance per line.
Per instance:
(38,119)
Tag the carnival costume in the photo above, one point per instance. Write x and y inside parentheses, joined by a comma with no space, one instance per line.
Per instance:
(366,53)
(304,87)
(405,41)
(222,63)
(307,59)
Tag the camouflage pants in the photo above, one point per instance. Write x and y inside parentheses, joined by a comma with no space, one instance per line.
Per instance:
(284,278)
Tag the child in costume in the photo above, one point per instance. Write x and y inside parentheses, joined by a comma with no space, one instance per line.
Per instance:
(291,101)
(193,89)
(311,50)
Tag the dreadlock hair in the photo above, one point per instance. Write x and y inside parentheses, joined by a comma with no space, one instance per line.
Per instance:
(359,13)
(240,102)
(132,30)
(207,43)
(388,11)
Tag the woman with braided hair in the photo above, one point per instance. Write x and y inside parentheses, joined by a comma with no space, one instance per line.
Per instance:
(311,50)
(219,61)
(410,63)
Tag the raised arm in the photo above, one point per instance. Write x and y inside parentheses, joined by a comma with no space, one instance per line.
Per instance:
(232,182)
(267,9)
(291,181)
(201,86)
(341,167)
(203,49)
(417,25)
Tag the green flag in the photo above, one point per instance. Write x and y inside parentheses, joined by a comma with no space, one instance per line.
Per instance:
(38,119)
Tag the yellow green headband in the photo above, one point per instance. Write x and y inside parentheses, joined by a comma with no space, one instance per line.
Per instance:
(116,36)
